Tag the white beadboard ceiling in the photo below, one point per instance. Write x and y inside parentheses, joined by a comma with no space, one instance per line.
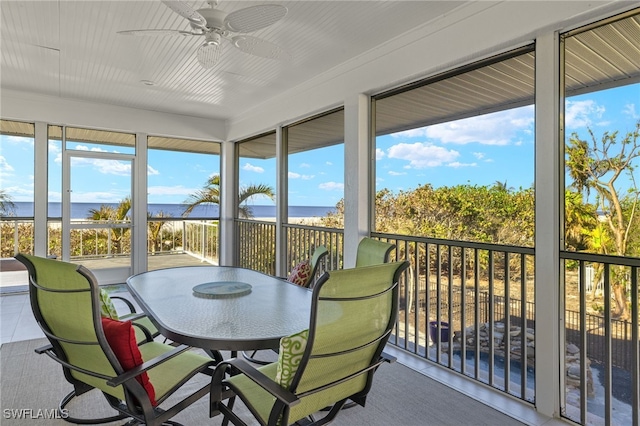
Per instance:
(70,49)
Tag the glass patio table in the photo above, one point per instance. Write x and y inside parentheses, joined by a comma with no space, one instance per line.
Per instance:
(211,307)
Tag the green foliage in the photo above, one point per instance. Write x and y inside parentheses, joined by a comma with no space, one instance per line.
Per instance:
(596,165)
(210,194)
(462,212)
(7,207)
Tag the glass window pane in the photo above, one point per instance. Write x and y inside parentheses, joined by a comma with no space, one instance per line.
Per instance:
(183,208)
(316,169)
(602,200)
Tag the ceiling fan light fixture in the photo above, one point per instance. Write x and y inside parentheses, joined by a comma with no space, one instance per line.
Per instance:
(212,39)
(208,54)
(215,24)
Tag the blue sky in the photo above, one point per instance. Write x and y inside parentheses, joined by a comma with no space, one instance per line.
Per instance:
(480,150)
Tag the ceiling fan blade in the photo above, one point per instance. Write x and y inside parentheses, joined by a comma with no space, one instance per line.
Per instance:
(258,47)
(156,33)
(254,18)
(187,12)
(208,55)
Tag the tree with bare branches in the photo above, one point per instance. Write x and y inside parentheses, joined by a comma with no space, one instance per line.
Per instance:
(600,165)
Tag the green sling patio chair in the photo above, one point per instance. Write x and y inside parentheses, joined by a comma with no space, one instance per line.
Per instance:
(143,326)
(373,252)
(307,279)
(99,352)
(353,313)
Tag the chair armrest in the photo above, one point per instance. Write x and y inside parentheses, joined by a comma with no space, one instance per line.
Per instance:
(132,308)
(280,393)
(132,316)
(147,334)
(130,374)
(44,349)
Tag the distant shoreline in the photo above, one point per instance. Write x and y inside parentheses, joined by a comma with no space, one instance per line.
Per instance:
(265,212)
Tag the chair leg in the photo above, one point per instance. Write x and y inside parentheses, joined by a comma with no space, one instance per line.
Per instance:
(62,410)
(251,358)
(215,355)
(225,420)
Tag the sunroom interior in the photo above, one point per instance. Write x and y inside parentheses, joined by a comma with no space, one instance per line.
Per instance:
(402,66)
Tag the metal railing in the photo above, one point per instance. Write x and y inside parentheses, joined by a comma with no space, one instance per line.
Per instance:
(493,277)
(602,342)
(197,237)
(464,306)
(257,245)
(303,239)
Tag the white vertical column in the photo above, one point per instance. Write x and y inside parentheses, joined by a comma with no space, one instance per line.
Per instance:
(282,199)
(40,189)
(139,262)
(548,185)
(357,174)
(228,197)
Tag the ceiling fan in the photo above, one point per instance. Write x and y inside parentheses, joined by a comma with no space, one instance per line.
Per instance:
(216,25)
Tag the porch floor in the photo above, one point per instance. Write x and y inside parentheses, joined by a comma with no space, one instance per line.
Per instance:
(17,324)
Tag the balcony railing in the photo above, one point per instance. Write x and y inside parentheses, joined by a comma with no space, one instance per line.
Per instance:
(466,306)
(470,307)
(256,245)
(198,238)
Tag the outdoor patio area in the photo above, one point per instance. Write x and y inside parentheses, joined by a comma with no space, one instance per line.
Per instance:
(411,388)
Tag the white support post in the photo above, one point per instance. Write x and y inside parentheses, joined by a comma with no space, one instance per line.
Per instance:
(40,190)
(139,262)
(229,183)
(357,175)
(282,199)
(548,184)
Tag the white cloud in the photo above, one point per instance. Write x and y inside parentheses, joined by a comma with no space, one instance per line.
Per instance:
(110,167)
(498,128)
(55,152)
(582,113)
(6,169)
(413,133)
(19,140)
(151,171)
(421,155)
(106,167)
(97,197)
(479,155)
(252,168)
(457,164)
(379,154)
(86,148)
(170,190)
(394,173)
(332,186)
(630,110)
(305,165)
(329,163)
(294,175)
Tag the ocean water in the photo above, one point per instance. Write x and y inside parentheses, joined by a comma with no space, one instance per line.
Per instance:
(81,210)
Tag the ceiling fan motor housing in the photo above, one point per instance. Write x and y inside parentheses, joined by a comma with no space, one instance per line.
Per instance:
(214,17)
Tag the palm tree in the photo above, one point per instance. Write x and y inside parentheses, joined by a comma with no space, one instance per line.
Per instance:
(210,194)
(6,205)
(155,230)
(115,214)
